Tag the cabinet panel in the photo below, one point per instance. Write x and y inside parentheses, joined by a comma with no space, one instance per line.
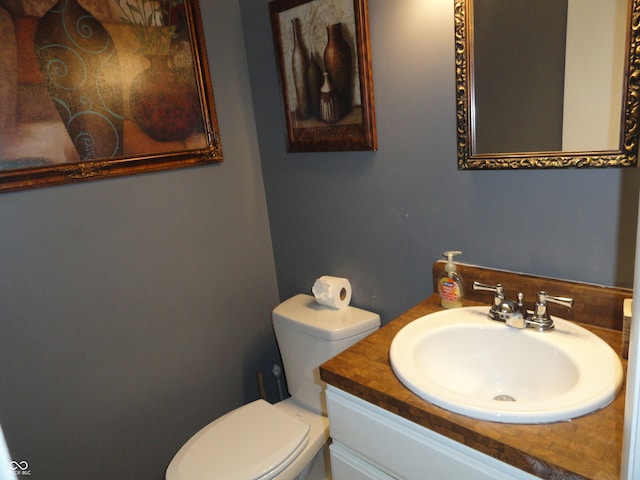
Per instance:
(406,449)
(347,466)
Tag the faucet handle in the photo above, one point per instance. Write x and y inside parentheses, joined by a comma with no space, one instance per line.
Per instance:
(540,310)
(497,289)
(563,301)
(544,297)
(499,303)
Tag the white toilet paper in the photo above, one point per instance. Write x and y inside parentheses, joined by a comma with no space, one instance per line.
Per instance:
(332,291)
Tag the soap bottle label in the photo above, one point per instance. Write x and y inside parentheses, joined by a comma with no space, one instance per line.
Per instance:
(450,294)
(449,290)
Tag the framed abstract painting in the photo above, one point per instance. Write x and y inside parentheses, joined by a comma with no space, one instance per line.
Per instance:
(94,89)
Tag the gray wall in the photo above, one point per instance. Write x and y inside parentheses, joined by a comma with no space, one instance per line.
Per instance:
(133,311)
(382,218)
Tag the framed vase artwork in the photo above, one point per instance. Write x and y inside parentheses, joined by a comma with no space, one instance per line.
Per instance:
(324,61)
(94,89)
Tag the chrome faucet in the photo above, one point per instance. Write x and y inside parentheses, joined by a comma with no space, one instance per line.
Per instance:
(516,315)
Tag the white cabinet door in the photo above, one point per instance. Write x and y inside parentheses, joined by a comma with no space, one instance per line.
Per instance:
(347,466)
(405,449)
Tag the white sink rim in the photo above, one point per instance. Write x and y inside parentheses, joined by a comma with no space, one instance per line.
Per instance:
(598,384)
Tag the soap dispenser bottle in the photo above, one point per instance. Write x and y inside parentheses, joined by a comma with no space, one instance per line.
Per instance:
(450,285)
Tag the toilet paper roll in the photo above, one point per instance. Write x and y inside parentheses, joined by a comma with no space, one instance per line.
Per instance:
(332,291)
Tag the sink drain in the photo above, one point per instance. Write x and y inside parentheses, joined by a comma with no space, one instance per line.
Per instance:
(504,398)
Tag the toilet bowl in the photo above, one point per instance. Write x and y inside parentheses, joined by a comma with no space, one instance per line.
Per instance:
(283,439)
(287,440)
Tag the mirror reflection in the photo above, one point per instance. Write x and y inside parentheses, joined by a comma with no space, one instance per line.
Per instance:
(541,83)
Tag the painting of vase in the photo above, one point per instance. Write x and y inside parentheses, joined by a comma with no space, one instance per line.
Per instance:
(322,33)
(81,69)
(102,80)
(331,105)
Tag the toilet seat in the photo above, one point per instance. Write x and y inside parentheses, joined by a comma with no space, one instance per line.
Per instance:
(254,442)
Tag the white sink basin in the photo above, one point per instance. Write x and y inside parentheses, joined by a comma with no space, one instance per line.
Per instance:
(462,361)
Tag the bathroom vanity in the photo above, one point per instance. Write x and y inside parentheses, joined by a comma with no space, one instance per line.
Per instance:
(382,430)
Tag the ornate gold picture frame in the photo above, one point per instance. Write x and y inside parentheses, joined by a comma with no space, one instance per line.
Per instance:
(324,61)
(95,89)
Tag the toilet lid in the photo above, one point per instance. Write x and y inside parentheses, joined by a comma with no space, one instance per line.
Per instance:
(254,442)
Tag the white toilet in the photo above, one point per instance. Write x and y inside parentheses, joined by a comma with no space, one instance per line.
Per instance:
(288,440)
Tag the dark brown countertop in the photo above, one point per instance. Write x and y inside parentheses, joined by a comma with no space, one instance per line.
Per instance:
(587,447)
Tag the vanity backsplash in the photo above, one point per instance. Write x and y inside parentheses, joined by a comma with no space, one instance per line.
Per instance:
(592,304)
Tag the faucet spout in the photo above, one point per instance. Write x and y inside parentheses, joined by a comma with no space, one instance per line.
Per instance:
(519,321)
(516,320)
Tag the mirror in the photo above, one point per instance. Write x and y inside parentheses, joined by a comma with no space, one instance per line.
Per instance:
(547,83)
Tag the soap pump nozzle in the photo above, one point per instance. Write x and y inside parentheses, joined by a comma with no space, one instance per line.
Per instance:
(450,266)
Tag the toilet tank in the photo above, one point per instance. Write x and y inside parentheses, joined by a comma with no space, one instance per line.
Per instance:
(309,334)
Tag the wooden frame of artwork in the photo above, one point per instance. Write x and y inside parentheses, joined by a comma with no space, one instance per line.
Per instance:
(103,89)
(324,61)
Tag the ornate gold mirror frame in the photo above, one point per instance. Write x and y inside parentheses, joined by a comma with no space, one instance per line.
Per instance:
(468,159)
